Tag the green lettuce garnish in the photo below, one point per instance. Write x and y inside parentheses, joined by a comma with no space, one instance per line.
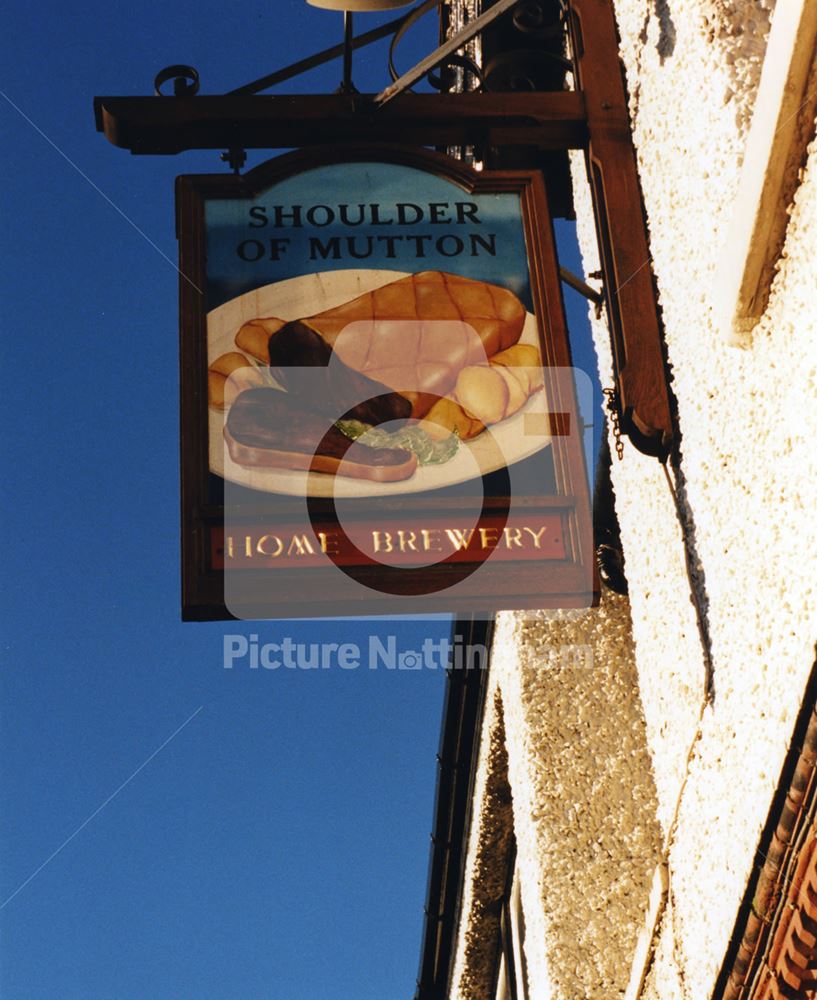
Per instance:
(409,438)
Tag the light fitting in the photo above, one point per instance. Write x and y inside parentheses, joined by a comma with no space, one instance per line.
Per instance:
(359,6)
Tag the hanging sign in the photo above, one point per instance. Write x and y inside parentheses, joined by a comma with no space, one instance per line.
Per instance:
(378,409)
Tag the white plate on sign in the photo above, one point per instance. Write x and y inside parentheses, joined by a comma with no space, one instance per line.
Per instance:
(509,441)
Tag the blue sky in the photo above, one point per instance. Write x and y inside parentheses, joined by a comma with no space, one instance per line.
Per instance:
(276,845)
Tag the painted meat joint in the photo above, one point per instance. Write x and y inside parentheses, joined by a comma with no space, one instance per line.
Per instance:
(375,351)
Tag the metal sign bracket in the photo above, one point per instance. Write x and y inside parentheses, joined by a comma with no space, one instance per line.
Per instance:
(593,117)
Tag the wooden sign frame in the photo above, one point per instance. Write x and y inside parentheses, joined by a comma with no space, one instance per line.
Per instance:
(568,581)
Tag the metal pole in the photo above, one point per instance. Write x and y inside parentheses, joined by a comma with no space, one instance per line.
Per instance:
(569,278)
(318,59)
(439,55)
(348,35)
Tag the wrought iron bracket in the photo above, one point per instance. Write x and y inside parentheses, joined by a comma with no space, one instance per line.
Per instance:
(593,117)
(322,57)
(449,47)
(580,286)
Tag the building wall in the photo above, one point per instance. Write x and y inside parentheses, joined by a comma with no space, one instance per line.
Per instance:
(599,789)
(747,477)
(563,723)
(611,768)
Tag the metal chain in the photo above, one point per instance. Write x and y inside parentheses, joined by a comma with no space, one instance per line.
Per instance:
(612,409)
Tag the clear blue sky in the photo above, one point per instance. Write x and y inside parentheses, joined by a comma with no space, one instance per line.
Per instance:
(277,845)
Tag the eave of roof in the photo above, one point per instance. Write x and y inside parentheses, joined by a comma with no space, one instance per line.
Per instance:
(774,947)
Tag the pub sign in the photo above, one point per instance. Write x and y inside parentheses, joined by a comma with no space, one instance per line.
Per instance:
(379,414)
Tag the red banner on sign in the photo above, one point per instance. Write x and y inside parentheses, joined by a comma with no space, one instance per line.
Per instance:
(393,543)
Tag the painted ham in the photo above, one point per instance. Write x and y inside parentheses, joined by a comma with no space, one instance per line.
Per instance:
(392,352)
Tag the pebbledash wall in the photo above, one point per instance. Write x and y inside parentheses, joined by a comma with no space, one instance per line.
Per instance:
(617,764)
(563,728)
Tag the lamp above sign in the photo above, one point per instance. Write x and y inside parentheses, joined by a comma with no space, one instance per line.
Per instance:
(359,5)
(378,409)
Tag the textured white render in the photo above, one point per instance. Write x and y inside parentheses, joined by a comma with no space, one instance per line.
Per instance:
(588,819)
(748,466)
(583,804)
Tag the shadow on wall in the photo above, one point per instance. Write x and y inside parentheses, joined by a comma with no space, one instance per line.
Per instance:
(666,28)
